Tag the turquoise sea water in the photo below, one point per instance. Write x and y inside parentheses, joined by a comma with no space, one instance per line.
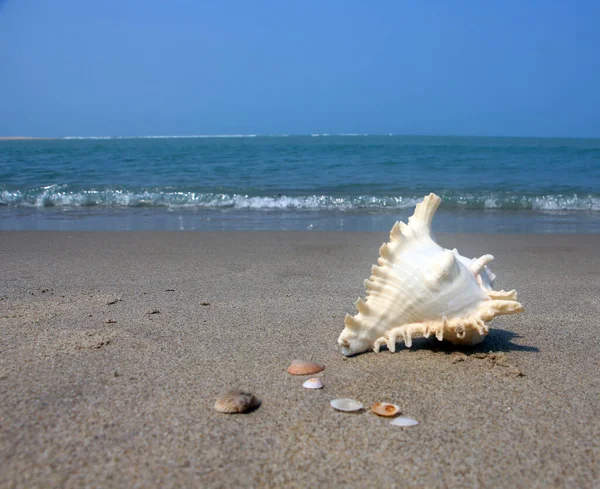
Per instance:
(350,182)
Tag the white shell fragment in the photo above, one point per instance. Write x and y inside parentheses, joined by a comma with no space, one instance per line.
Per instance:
(385,409)
(404,421)
(419,289)
(346,405)
(313,384)
(236,401)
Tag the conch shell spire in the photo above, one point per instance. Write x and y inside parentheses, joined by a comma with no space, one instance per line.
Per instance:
(420,289)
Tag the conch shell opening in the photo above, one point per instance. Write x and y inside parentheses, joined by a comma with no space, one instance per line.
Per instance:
(419,289)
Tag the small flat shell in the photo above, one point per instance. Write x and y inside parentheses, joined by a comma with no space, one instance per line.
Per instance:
(346,405)
(313,384)
(303,367)
(385,409)
(236,401)
(404,421)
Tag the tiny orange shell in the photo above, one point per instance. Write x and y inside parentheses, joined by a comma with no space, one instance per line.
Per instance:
(302,367)
(385,409)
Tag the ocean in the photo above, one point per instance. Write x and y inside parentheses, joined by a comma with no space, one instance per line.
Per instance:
(312,182)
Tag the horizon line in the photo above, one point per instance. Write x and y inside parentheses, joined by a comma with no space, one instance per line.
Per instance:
(254,135)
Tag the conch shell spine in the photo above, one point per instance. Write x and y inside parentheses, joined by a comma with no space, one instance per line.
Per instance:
(420,289)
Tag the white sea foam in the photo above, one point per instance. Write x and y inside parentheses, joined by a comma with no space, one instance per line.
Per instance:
(181,136)
(61,196)
(209,136)
(560,202)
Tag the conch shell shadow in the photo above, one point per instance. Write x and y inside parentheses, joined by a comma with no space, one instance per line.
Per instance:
(498,340)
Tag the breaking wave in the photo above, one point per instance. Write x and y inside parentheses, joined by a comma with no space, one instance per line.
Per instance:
(209,136)
(61,196)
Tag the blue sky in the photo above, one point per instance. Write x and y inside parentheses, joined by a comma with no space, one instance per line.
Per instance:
(72,67)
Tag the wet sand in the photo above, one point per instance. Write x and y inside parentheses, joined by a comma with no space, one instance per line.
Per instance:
(97,392)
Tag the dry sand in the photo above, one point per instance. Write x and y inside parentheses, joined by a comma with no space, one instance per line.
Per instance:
(97,392)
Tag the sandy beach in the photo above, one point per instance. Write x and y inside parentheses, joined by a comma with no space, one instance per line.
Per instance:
(95,391)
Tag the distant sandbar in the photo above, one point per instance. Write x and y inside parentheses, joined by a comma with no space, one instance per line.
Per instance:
(20,138)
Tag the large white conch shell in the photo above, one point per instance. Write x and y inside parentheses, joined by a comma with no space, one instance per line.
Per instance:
(419,288)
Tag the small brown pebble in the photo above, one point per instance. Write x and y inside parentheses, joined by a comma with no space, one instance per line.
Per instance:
(114,301)
(236,401)
(169,290)
(153,311)
(110,321)
(205,303)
